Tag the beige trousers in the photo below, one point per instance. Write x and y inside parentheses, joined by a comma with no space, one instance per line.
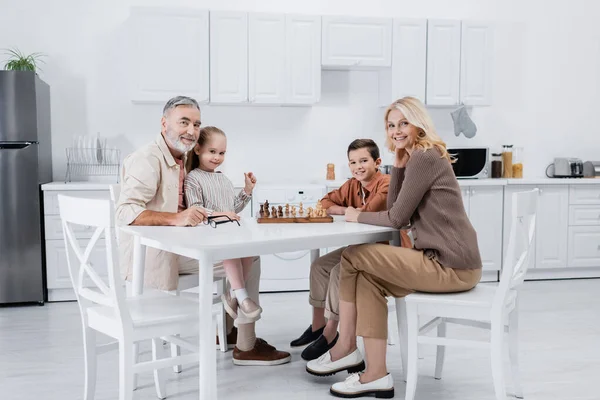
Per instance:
(325,284)
(190,266)
(372,272)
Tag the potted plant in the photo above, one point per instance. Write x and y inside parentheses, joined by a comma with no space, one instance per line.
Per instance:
(18,61)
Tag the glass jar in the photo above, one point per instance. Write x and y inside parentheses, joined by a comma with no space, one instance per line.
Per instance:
(496,165)
(507,157)
(517,166)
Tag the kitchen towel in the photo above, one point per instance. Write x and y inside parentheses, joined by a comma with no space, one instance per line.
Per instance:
(463,123)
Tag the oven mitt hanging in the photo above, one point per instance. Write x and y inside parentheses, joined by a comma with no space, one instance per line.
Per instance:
(463,123)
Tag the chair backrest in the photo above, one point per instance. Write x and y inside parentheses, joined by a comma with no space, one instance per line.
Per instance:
(98,214)
(520,242)
(115,192)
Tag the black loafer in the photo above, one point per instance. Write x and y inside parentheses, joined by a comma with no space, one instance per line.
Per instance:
(307,337)
(318,348)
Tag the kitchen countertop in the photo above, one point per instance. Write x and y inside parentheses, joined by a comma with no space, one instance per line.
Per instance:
(62,186)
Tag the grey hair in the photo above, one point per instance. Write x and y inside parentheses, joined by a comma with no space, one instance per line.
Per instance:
(179,101)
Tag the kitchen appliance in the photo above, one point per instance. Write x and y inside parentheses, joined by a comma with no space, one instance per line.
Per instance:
(471,163)
(386,169)
(25,164)
(591,169)
(568,168)
(282,272)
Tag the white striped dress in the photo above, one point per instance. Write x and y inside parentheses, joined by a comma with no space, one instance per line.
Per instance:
(214,192)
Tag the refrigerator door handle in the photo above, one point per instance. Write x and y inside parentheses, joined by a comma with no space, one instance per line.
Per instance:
(15,145)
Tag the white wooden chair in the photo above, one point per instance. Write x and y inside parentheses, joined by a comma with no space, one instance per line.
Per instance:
(188,284)
(104,307)
(489,307)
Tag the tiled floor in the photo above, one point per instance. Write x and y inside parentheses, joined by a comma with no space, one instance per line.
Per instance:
(41,354)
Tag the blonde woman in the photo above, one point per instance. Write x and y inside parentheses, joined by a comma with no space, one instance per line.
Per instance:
(425,193)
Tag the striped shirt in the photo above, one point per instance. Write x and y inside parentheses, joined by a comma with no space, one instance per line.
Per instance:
(214,192)
(427,194)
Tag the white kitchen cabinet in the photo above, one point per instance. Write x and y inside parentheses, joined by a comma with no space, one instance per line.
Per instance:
(584,246)
(57,269)
(465,192)
(443,62)
(303,59)
(154,80)
(409,58)
(228,57)
(356,42)
(266,58)
(551,231)
(476,63)
(485,210)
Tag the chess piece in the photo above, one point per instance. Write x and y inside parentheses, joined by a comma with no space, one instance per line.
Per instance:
(261,210)
(301,209)
(266,204)
(266,213)
(319,206)
(274,211)
(293,211)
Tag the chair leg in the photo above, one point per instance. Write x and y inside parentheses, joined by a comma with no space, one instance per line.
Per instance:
(401,319)
(176,352)
(222,318)
(440,352)
(89,349)
(412,361)
(513,350)
(160,381)
(136,356)
(126,375)
(497,352)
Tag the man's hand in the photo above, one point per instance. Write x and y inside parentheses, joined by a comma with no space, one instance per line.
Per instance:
(231,215)
(249,182)
(352,214)
(190,217)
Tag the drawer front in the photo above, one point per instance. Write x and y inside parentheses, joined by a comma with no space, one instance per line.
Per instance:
(57,270)
(584,194)
(584,246)
(54,231)
(51,198)
(584,215)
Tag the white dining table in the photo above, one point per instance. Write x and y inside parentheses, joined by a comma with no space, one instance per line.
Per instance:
(207,245)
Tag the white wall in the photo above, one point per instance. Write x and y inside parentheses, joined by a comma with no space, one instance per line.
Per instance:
(546,84)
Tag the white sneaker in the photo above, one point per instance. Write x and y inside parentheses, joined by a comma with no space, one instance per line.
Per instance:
(323,366)
(382,388)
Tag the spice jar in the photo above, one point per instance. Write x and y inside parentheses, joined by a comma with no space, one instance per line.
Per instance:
(517,167)
(330,172)
(496,165)
(507,160)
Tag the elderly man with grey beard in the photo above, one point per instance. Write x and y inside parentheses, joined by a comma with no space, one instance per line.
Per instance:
(152,194)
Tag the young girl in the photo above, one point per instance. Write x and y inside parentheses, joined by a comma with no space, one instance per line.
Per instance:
(210,189)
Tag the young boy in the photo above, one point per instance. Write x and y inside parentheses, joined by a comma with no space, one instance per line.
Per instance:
(367,190)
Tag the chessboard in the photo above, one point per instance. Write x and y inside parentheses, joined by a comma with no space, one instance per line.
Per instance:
(292,214)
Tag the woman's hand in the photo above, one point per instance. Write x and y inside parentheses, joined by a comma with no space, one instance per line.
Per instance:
(352,214)
(249,182)
(401,159)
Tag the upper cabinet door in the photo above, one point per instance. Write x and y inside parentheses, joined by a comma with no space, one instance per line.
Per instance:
(266,62)
(228,57)
(359,42)
(476,64)
(303,59)
(443,62)
(409,58)
(153,80)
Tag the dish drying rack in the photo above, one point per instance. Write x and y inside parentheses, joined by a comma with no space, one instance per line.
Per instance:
(93,161)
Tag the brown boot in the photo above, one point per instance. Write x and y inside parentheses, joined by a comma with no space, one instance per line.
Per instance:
(262,354)
(231,338)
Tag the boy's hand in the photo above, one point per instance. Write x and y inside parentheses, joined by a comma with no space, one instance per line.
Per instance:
(249,182)
(352,214)
(336,210)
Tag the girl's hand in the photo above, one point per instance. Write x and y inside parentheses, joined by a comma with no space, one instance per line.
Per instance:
(401,159)
(352,214)
(249,182)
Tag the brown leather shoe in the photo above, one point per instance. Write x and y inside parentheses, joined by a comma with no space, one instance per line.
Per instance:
(231,338)
(262,354)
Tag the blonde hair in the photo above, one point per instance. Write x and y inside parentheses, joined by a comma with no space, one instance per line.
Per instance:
(193,160)
(415,113)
